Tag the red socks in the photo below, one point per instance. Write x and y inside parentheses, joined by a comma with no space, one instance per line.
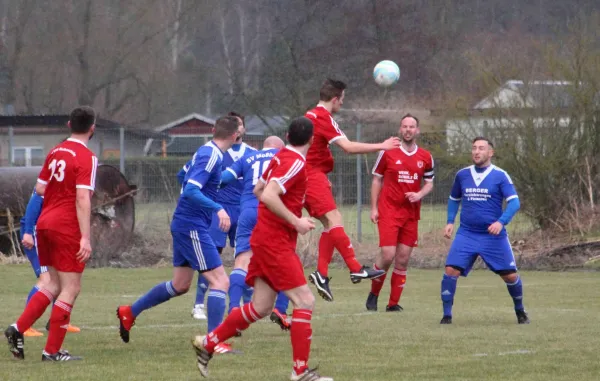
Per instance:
(342,243)
(301,335)
(59,322)
(377,284)
(398,281)
(238,320)
(34,309)
(325,253)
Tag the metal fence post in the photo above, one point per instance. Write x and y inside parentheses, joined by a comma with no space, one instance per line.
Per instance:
(358,190)
(122,150)
(11,144)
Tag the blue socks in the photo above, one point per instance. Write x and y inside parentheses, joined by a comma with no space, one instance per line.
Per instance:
(516,292)
(447,292)
(157,295)
(33,291)
(247,297)
(215,307)
(281,303)
(201,289)
(237,287)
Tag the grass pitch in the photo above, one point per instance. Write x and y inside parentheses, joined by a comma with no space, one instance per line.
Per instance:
(484,343)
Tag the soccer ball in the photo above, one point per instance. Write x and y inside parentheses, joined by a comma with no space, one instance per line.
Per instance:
(386,73)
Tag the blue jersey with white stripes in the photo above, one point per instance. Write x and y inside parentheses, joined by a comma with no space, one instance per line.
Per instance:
(481,192)
(205,173)
(251,167)
(231,193)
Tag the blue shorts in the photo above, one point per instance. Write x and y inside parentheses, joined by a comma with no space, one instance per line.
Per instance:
(246,224)
(495,251)
(195,249)
(220,237)
(32,255)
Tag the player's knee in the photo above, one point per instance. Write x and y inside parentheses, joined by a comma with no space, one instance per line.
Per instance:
(387,255)
(305,301)
(220,283)
(181,286)
(242,261)
(509,276)
(453,271)
(333,218)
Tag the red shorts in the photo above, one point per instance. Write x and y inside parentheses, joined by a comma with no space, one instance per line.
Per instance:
(278,265)
(395,231)
(58,250)
(319,198)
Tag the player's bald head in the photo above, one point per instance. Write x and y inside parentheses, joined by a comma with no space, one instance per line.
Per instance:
(273,142)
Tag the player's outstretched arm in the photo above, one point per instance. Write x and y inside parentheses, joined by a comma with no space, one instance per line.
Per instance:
(358,147)
(83,205)
(376,185)
(271,197)
(32,213)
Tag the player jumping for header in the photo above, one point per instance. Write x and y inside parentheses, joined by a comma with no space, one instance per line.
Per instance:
(482,188)
(319,199)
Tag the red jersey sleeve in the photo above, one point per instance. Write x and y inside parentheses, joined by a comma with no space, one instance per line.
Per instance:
(46,172)
(429,174)
(380,164)
(285,174)
(86,172)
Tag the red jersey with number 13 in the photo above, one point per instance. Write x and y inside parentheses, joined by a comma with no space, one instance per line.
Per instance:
(69,166)
(326,131)
(402,172)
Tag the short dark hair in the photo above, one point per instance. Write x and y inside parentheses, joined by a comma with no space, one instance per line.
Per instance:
(225,126)
(233,113)
(409,115)
(300,131)
(481,138)
(82,119)
(331,89)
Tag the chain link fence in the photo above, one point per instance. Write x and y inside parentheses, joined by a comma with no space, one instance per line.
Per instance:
(151,161)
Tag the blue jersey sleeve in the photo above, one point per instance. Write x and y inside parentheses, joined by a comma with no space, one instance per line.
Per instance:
(33,211)
(508,189)
(202,166)
(456,192)
(182,172)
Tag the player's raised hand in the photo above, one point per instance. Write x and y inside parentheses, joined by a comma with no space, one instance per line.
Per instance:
(495,228)
(224,220)
(448,230)
(85,250)
(391,143)
(374,216)
(303,225)
(27,241)
(413,196)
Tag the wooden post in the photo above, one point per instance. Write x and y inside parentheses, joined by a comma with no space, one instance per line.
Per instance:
(164,148)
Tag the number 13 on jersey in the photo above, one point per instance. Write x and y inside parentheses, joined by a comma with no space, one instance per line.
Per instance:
(58,169)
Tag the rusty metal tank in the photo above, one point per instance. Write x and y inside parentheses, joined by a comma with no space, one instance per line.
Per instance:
(113,210)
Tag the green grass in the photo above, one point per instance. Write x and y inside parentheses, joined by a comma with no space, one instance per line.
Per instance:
(433,219)
(484,343)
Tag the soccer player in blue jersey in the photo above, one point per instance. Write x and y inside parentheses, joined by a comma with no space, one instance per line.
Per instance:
(250,168)
(193,248)
(229,198)
(482,188)
(32,213)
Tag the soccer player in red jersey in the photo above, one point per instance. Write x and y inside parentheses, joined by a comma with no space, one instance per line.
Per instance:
(396,195)
(274,265)
(319,199)
(63,235)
